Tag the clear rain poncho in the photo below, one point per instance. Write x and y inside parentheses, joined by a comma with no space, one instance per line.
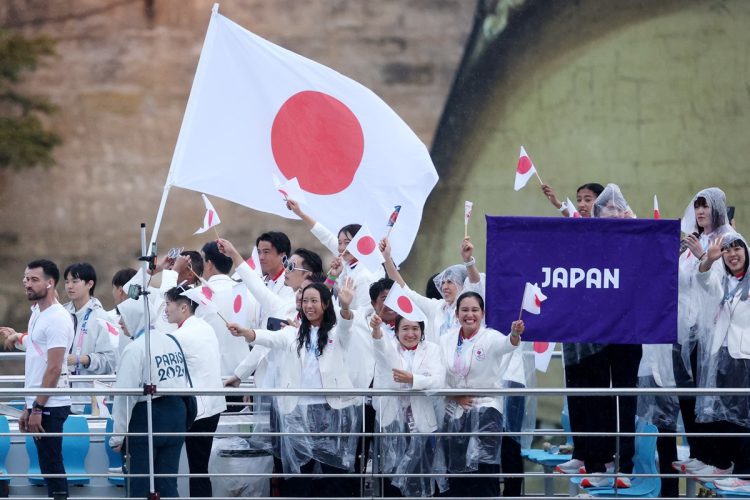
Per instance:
(724,360)
(611,204)
(410,413)
(692,322)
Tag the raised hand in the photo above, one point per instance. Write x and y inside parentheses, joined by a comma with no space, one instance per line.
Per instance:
(551,196)
(346,294)
(375,323)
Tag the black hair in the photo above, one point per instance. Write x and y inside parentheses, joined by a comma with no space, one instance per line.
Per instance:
(326,325)
(317,277)
(174,295)
(379,287)
(278,240)
(196,261)
(467,295)
(221,262)
(717,218)
(398,322)
(311,260)
(592,186)
(432,291)
(49,269)
(82,271)
(122,276)
(350,229)
(738,243)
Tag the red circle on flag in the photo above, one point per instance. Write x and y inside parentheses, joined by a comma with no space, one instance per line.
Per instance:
(405,304)
(524,164)
(317,139)
(251,263)
(207,292)
(540,347)
(237,303)
(366,245)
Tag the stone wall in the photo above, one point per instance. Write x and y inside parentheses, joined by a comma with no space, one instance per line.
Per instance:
(121,79)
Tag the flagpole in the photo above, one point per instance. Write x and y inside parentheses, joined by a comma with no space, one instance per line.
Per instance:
(537,176)
(520,312)
(160,213)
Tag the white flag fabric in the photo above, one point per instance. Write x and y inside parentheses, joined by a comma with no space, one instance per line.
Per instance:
(572,212)
(533,298)
(468,206)
(244,306)
(290,189)
(257,110)
(401,304)
(111,328)
(202,295)
(524,171)
(254,262)
(211,218)
(543,354)
(365,249)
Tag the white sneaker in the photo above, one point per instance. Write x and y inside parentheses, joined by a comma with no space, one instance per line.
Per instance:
(705,474)
(623,482)
(596,481)
(733,484)
(693,465)
(681,465)
(572,466)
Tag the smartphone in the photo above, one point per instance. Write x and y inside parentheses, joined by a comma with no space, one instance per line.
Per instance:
(730,213)
(275,324)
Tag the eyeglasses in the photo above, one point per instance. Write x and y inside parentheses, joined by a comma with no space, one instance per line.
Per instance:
(289,266)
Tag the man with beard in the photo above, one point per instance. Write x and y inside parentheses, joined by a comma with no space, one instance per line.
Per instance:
(50,336)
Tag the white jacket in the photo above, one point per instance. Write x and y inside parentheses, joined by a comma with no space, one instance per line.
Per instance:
(488,364)
(276,300)
(332,363)
(732,320)
(201,349)
(233,349)
(92,339)
(428,370)
(363,371)
(167,371)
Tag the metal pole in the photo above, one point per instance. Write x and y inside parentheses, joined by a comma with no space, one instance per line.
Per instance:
(150,381)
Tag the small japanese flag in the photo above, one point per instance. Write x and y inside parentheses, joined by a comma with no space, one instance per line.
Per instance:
(543,354)
(467,212)
(111,328)
(243,305)
(524,171)
(572,212)
(365,249)
(656,208)
(402,305)
(211,218)
(202,295)
(533,298)
(289,189)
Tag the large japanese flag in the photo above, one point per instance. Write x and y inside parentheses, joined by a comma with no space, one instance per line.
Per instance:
(257,110)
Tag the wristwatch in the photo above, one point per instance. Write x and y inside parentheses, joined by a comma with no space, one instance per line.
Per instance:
(36,406)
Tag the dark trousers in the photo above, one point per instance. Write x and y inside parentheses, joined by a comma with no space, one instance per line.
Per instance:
(476,487)
(323,487)
(168,414)
(666,447)
(198,450)
(512,463)
(49,449)
(616,364)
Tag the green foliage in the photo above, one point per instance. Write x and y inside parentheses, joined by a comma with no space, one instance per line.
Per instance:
(24,142)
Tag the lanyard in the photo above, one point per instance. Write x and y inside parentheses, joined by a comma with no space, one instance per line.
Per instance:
(31,333)
(84,330)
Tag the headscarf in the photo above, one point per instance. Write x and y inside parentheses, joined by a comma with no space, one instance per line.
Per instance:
(717,203)
(611,204)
